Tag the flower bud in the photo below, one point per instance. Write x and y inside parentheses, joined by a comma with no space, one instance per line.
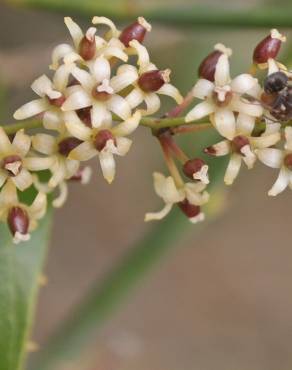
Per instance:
(18,221)
(238,143)
(153,80)
(102,138)
(190,210)
(196,169)
(135,31)
(269,47)
(207,67)
(67,145)
(87,46)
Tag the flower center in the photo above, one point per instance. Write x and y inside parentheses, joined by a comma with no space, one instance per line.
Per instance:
(58,102)
(102,137)
(222,95)
(103,91)
(190,210)
(18,220)
(152,81)
(12,164)
(238,143)
(288,161)
(67,145)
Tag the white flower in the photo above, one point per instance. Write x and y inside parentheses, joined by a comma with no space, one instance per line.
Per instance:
(99,91)
(52,96)
(104,141)
(190,194)
(223,98)
(20,217)
(279,158)
(87,45)
(243,146)
(138,95)
(14,162)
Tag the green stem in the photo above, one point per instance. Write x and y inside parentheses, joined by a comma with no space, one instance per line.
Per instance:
(194,15)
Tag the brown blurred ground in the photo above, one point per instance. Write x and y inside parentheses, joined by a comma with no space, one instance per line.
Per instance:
(219,301)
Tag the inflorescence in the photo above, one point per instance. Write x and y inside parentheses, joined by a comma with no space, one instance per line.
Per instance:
(95,99)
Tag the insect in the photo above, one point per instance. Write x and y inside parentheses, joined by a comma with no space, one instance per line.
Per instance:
(276,97)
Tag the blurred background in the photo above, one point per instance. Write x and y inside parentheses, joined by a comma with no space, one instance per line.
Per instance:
(222,299)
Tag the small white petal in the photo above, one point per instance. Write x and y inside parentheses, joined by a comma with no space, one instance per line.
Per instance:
(225,123)
(166,189)
(108,165)
(38,163)
(123,145)
(23,180)
(8,194)
(243,83)
(128,126)
(21,143)
(44,143)
(150,216)
(77,128)
(98,113)
(61,199)
(240,105)
(203,89)
(39,206)
(116,52)
(272,66)
(84,78)
(271,157)
(5,144)
(219,149)
(75,31)
(58,172)
(3,177)
(107,22)
(83,152)
(119,106)
(172,91)
(288,137)
(79,99)
(135,98)
(265,141)
(124,79)
(61,76)
(232,169)
(31,109)
(43,86)
(245,124)
(200,110)
(143,56)
(222,75)
(53,120)
(101,69)
(248,156)
(152,104)
(60,52)
(281,182)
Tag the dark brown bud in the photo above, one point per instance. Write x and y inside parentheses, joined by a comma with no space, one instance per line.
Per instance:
(268,48)
(18,221)
(87,46)
(102,138)
(208,66)
(85,116)
(288,161)
(189,209)
(193,166)
(238,143)
(57,102)
(67,145)
(135,31)
(12,164)
(152,81)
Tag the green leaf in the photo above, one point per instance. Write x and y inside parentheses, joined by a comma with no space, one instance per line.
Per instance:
(20,269)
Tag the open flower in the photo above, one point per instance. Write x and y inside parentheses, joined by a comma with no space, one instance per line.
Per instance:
(52,96)
(282,159)
(190,197)
(223,97)
(104,141)
(20,217)
(100,92)
(14,162)
(150,82)
(243,146)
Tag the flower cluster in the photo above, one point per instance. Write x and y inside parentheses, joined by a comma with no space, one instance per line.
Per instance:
(95,99)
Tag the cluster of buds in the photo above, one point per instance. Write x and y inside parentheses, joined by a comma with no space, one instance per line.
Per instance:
(95,99)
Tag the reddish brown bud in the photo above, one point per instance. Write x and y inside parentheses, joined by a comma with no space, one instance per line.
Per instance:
(135,31)
(193,166)
(85,116)
(102,138)
(189,209)
(67,145)
(238,143)
(268,48)
(208,66)
(18,221)
(87,48)
(12,164)
(57,102)
(288,161)
(152,81)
